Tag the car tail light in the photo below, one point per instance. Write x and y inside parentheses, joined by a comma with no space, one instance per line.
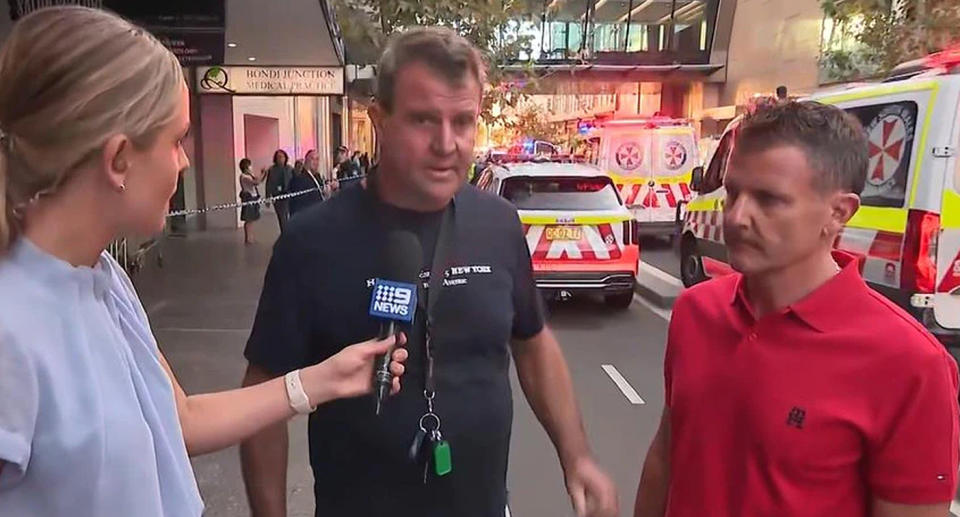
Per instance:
(919,273)
(630,234)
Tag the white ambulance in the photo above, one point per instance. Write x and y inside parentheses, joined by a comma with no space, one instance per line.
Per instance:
(581,238)
(907,231)
(651,161)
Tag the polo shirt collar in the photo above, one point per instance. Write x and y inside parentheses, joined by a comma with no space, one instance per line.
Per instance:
(819,309)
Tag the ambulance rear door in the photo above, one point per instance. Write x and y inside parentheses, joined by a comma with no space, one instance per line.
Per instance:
(625,154)
(946,302)
(675,155)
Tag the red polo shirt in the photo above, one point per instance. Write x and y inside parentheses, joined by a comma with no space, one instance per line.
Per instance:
(812,411)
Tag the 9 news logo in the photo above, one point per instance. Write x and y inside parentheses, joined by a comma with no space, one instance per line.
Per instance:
(393,300)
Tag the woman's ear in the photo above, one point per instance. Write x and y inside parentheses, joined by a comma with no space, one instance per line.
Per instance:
(116,161)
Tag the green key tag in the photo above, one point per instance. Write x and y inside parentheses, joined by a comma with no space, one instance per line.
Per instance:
(442,461)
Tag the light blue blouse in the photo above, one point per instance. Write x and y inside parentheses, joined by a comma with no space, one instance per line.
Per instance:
(88,420)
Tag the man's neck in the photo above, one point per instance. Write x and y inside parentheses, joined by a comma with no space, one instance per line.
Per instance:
(392,192)
(774,290)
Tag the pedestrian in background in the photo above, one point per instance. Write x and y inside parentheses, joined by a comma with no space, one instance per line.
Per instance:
(278,184)
(355,164)
(782,94)
(93,423)
(460,407)
(249,193)
(792,388)
(364,164)
(309,182)
(345,167)
(339,156)
(298,167)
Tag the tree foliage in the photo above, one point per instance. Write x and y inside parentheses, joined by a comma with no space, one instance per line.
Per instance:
(531,120)
(492,25)
(871,37)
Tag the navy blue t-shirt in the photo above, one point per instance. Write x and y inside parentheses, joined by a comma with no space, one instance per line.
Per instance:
(315,301)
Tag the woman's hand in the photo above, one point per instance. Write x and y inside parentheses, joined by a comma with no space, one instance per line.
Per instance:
(349,373)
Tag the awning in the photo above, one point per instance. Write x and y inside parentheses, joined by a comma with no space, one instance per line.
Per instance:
(718,113)
(627,72)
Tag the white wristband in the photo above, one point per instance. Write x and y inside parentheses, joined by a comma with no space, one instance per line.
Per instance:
(295,394)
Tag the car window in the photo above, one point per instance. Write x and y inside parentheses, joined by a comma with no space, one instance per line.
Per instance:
(713,177)
(559,193)
(544,148)
(890,128)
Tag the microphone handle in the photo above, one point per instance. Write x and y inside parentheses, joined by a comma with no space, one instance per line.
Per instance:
(383,379)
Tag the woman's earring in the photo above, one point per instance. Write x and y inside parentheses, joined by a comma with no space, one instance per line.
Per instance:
(123,188)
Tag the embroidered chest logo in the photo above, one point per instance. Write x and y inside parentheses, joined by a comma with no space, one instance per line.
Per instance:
(460,275)
(796,417)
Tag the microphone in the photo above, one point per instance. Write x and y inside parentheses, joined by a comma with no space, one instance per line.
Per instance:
(394,299)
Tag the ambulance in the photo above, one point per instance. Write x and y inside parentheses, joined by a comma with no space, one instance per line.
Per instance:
(907,231)
(581,237)
(651,161)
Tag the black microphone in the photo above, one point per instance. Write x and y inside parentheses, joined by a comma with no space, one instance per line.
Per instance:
(394,299)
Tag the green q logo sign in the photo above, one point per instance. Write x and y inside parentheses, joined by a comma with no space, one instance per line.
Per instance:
(215,78)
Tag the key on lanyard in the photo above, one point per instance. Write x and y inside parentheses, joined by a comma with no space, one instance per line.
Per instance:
(439,449)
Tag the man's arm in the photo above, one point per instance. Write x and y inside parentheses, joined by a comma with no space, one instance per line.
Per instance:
(263,459)
(655,480)
(546,383)
(887,509)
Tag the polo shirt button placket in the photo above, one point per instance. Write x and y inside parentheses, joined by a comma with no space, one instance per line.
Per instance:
(752,336)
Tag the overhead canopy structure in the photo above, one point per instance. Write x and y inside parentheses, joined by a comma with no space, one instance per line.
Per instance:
(587,71)
(218,32)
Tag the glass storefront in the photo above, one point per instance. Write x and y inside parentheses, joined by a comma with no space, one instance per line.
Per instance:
(652,31)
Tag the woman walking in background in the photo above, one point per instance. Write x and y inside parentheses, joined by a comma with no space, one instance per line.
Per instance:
(278,184)
(93,422)
(249,193)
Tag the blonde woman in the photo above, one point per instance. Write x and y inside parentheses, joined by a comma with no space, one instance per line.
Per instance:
(92,421)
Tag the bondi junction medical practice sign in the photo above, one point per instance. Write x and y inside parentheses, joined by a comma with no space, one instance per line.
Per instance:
(270,80)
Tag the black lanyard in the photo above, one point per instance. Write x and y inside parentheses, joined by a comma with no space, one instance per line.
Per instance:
(428,304)
(429,299)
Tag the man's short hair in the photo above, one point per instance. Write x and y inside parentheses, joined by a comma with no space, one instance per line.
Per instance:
(833,141)
(443,50)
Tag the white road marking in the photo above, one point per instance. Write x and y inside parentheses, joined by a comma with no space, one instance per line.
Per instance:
(659,311)
(622,383)
(156,307)
(955,508)
(661,274)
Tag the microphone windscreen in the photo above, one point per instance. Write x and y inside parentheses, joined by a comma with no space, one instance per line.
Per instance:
(403,258)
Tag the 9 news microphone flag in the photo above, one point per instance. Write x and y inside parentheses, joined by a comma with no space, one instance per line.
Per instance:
(394,298)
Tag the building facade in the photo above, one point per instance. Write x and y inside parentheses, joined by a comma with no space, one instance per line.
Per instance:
(262,76)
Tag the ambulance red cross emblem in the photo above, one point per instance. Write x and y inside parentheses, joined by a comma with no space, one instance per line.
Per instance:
(675,155)
(629,156)
(889,133)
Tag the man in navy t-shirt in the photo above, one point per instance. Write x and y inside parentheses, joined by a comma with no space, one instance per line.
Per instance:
(316,297)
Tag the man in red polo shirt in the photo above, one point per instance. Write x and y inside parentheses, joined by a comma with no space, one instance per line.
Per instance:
(793,389)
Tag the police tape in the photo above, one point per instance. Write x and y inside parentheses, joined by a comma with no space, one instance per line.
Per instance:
(261,201)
